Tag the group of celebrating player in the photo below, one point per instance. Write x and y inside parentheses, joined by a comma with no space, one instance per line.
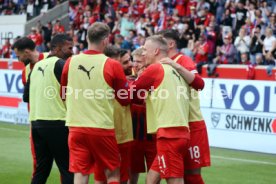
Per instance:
(114,138)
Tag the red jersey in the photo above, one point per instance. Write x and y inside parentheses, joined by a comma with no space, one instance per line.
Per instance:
(202,57)
(6,51)
(37,38)
(189,64)
(59,29)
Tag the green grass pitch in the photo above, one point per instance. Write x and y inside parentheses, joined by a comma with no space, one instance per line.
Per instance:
(228,166)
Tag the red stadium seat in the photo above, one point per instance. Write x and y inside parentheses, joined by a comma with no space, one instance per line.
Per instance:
(17,65)
(4,65)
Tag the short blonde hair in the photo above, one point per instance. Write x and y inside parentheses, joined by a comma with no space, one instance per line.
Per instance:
(160,41)
(137,52)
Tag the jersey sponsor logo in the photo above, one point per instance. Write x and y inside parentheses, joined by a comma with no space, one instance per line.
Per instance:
(42,70)
(82,68)
(244,123)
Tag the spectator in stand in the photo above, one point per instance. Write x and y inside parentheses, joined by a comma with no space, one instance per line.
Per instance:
(47,35)
(201,52)
(211,40)
(109,21)
(6,49)
(272,23)
(186,34)
(256,45)
(30,9)
(186,41)
(10,9)
(248,26)
(145,17)
(244,59)
(82,33)
(251,11)
(122,43)
(269,48)
(227,21)
(242,43)
(226,53)
(126,25)
(22,10)
(76,45)
(219,10)
(259,59)
(37,39)
(58,28)
(265,9)
(241,13)
(133,40)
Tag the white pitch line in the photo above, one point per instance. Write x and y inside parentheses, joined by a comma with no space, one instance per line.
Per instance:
(244,160)
(13,130)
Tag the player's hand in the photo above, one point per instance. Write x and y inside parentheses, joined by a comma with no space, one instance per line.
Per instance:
(141,71)
(167,60)
(170,62)
(131,77)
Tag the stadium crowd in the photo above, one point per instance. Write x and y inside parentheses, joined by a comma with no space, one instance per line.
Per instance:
(31,8)
(101,138)
(220,32)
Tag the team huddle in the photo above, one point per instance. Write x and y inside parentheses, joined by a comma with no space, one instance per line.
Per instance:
(117,136)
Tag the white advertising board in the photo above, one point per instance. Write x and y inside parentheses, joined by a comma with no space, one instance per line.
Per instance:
(241,114)
(12,109)
(11,83)
(12,26)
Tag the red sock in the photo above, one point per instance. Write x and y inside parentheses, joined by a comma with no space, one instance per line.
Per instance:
(193,179)
(114,182)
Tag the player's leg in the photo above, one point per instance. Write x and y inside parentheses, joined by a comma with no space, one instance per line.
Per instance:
(99,175)
(32,151)
(44,158)
(170,154)
(137,163)
(125,151)
(106,155)
(150,152)
(193,176)
(80,178)
(81,161)
(134,177)
(113,176)
(153,177)
(198,154)
(58,143)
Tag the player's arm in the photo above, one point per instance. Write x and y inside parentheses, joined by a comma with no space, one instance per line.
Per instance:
(26,93)
(64,79)
(58,69)
(148,80)
(24,76)
(115,77)
(194,80)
